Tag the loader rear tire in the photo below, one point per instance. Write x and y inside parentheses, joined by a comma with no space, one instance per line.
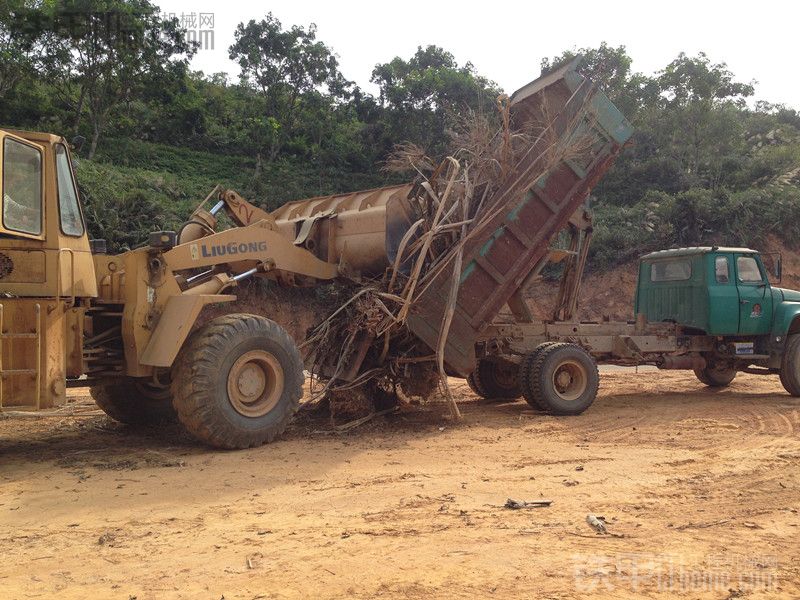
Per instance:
(134,401)
(237,381)
(716,376)
(563,379)
(494,380)
(790,366)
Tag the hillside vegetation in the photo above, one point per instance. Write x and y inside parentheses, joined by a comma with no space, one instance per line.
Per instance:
(708,162)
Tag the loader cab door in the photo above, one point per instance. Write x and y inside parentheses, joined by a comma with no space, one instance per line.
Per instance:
(755,296)
(22,164)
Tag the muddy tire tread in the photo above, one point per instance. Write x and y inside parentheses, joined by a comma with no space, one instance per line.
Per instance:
(545,395)
(197,372)
(790,366)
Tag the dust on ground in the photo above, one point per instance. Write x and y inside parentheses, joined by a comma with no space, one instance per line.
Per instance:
(700,491)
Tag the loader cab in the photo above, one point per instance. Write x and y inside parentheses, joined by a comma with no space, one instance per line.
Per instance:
(713,290)
(44,246)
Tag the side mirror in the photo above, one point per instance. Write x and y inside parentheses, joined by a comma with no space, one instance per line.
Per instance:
(77,143)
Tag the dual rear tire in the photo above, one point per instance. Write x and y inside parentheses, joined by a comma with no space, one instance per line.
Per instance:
(559,378)
(493,379)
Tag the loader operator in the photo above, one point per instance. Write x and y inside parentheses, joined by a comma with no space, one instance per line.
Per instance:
(22,196)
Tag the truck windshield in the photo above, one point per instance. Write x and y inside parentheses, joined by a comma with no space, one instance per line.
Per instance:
(22,187)
(672,270)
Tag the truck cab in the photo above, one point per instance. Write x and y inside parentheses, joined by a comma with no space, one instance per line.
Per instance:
(720,291)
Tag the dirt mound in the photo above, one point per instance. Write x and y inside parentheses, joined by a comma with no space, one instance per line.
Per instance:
(603,294)
(295,309)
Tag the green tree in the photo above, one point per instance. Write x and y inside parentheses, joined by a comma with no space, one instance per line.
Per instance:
(698,119)
(16,47)
(282,66)
(610,68)
(429,93)
(100,54)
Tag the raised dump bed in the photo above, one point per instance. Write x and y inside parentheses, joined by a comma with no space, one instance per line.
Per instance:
(579,133)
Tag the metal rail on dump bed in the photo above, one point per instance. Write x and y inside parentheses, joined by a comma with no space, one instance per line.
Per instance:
(579,133)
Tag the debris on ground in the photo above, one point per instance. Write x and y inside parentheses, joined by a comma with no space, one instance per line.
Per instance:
(518,504)
(597,523)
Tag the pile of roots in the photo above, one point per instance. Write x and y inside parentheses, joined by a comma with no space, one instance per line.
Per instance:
(451,200)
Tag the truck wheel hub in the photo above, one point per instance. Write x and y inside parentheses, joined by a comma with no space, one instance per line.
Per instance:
(255,383)
(570,380)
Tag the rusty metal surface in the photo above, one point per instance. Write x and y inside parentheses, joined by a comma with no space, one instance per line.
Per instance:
(359,230)
(534,203)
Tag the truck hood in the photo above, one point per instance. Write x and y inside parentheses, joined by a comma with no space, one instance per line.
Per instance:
(789,295)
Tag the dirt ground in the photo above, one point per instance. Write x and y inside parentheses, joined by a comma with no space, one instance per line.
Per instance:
(700,491)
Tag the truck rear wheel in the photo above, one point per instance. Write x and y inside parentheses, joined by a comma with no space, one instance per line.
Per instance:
(563,379)
(790,366)
(134,400)
(525,374)
(237,381)
(494,379)
(716,375)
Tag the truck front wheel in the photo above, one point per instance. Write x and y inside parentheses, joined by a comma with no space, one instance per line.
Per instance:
(237,381)
(563,379)
(716,375)
(790,367)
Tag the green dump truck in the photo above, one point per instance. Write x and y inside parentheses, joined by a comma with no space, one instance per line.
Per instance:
(713,310)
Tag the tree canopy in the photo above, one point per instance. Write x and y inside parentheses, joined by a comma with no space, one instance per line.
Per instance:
(707,161)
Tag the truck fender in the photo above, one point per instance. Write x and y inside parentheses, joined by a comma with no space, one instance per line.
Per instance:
(174,326)
(787,320)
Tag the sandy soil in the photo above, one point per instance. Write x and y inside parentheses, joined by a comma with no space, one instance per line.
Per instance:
(700,490)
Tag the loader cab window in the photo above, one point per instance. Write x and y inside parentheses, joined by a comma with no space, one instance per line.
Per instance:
(748,270)
(22,187)
(69,211)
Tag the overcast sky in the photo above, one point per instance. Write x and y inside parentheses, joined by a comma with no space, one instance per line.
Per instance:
(506,41)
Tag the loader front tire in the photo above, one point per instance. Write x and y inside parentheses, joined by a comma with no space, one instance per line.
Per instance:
(790,366)
(237,381)
(494,380)
(134,401)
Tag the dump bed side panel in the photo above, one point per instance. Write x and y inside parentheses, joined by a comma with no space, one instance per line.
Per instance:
(581,134)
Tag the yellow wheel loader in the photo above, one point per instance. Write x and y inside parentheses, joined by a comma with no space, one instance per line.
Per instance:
(125,324)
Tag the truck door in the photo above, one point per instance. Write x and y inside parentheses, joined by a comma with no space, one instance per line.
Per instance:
(755,298)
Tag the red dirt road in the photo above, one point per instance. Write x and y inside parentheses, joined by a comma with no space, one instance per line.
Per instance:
(700,490)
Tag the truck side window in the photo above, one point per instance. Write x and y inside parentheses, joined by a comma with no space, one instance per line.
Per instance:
(748,270)
(70,212)
(721,269)
(22,187)
(673,270)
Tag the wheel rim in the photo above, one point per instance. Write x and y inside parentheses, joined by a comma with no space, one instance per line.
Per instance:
(570,380)
(255,383)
